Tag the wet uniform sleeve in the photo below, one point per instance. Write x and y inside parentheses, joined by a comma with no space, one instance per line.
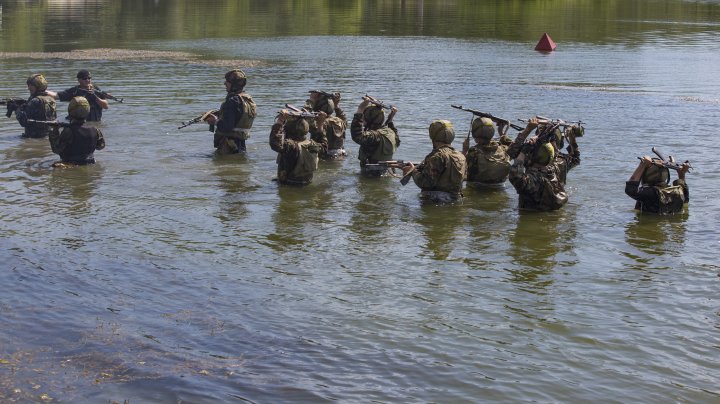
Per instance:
(505,140)
(363,138)
(67,95)
(54,138)
(33,109)
(63,140)
(686,190)
(391,125)
(427,177)
(340,114)
(319,134)
(514,149)
(100,144)
(276,138)
(231,111)
(645,195)
(525,181)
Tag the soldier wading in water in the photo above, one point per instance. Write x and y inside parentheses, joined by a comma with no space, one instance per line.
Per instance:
(236,116)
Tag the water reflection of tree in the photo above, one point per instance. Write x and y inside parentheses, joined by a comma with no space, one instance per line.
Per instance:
(442,224)
(538,244)
(234,178)
(372,217)
(655,236)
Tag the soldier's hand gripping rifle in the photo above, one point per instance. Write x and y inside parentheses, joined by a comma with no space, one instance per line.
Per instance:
(12,105)
(110,96)
(393,109)
(333,96)
(546,134)
(202,118)
(393,164)
(54,124)
(101,94)
(668,162)
(499,121)
(295,111)
(576,126)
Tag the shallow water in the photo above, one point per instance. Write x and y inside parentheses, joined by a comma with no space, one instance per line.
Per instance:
(165,274)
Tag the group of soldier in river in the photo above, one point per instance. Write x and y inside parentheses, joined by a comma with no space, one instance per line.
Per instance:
(536,167)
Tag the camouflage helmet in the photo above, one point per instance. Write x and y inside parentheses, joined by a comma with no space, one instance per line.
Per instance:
(442,131)
(296,127)
(577,130)
(237,79)
(483,128)
(79,108)
(655,175)
(544,154)
(374,116)
(324,104)
(38,81)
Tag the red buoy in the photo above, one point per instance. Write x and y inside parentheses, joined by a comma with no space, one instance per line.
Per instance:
(545,44)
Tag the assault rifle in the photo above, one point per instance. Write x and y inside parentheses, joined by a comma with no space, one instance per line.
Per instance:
(110,96)
(392,164)
(201,118)
(499,121)
(55,124)
(668,162)
(560,123)
(101,93)
(333,96)
(12,105)
(295,111)
(377,102)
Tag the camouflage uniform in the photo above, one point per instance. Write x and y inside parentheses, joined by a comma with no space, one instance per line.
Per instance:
(234,122)
(441,174)
(39,107)
(77,143)
(375,145)
(295,159)
(490,163)
(660,199)
(90,95)
(333,132)
(542,188)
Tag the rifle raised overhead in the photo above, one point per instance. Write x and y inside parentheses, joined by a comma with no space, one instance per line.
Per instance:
(299,112)
(668,162)
(499,121)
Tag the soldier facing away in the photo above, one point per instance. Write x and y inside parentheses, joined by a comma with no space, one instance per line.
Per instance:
(40,107)
(77,143)
(488,161)
(378,139)
(335,126)
(649,186)
(236,116)
(297,157)
(441,174)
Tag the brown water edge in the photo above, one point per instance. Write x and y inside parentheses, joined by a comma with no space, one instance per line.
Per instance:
(134,55)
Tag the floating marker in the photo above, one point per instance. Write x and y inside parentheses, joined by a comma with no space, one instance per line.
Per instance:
(545,44)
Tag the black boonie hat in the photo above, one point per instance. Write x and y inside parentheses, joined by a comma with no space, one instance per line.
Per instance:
(83,74)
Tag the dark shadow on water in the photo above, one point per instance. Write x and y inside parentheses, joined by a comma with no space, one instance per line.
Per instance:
(537,244)
(655,236)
